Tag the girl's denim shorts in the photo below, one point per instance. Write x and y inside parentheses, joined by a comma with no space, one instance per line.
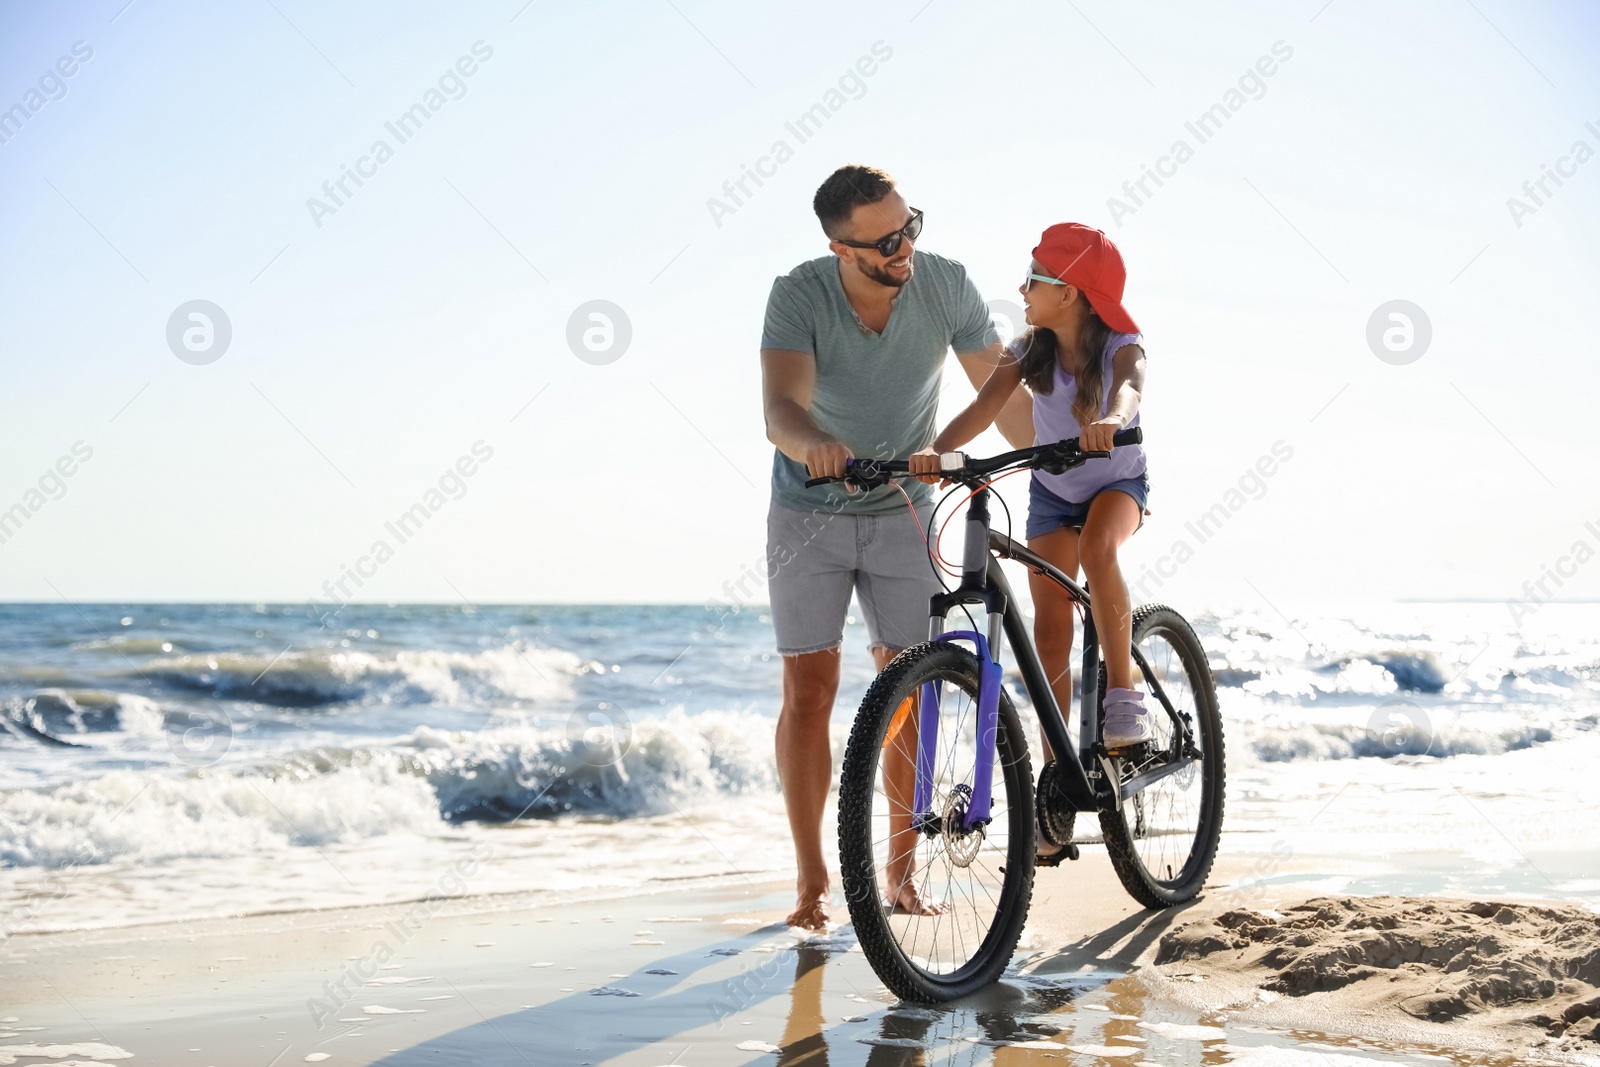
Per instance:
(1047,512)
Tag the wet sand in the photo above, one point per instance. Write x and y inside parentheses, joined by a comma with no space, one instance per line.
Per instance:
(684,977)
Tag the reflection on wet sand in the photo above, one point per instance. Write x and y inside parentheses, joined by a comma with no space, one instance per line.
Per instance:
(1021,1009)
(1084,1016)
(804,1044)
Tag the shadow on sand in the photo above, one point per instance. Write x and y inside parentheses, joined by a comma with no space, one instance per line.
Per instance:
(595,1026)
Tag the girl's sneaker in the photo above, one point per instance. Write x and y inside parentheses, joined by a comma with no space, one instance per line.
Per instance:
(1127,721)
(1045,854)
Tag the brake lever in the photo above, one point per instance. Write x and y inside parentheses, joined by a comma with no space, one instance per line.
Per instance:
(1059,463)
(864,474)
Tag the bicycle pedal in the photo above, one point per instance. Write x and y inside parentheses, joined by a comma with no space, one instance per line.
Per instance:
(1055,859)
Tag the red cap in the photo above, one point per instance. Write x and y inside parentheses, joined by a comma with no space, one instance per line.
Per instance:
(1084,256)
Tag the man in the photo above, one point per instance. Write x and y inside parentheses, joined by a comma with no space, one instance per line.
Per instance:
(851,358)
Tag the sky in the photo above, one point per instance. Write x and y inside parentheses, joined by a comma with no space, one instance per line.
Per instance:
(423,337)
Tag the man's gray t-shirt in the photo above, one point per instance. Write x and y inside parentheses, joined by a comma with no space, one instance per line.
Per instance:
(877,394)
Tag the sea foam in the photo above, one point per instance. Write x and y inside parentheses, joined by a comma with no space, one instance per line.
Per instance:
(421,785)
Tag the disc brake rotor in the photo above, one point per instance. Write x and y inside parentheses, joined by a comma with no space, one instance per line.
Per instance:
(962,846)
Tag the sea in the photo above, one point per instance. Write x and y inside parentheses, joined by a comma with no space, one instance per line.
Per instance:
(171,762)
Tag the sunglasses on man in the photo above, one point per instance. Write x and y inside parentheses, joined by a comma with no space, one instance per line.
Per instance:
(890,244)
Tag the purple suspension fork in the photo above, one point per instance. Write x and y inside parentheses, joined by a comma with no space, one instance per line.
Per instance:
(988,724)
(974,588)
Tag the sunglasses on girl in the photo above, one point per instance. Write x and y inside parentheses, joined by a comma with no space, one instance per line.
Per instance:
(890,244)
(1032,277)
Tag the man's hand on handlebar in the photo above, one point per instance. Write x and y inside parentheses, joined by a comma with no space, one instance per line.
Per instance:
(828,459)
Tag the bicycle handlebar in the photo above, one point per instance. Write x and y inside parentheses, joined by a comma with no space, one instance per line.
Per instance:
(1056,458)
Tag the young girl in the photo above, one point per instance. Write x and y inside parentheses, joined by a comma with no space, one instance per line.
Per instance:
(1084,365)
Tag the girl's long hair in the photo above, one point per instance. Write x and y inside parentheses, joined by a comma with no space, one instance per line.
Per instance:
(1040,347)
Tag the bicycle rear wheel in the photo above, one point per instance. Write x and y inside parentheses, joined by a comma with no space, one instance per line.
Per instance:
(982,879)
(1163,841)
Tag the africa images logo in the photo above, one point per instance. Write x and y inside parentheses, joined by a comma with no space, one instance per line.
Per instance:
(1251,85)
(406,126)
(804,127)
(52,86)
(1537,192)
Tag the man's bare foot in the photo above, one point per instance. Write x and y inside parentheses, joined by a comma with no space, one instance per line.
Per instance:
(909,902)
(811,912)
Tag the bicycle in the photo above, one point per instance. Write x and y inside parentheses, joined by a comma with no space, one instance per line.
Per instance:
(973,847)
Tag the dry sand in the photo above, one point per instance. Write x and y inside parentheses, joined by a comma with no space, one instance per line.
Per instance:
(1504,974)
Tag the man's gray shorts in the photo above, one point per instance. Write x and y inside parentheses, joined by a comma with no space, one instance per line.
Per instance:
(816,559)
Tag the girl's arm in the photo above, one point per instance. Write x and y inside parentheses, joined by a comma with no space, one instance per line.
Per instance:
(1015,421)
(973,420)
(1127,388)
(979,415)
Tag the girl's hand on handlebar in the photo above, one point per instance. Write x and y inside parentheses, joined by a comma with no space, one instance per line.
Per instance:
(925,465)
(1097,436)
(827,459)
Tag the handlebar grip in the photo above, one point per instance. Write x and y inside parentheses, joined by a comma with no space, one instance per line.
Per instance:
(1132,436)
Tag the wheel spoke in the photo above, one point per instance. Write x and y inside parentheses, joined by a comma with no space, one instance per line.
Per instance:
(1166,834)
(946,867)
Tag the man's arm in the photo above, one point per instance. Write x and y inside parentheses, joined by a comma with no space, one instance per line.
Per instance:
(788,379)
(1015,421)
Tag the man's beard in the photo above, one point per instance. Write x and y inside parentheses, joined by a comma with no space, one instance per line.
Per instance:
(882,276)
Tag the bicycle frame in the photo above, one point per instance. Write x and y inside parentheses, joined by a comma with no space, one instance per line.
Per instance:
(1091,782)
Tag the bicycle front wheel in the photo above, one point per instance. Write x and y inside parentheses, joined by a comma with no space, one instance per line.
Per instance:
(1163,841)
(938,910)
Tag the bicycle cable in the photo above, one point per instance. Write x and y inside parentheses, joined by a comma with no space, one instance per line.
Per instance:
(1007,508)
(1076,604)
(935,560)
(938,541)
(933,550)
(912,509)
(929,552)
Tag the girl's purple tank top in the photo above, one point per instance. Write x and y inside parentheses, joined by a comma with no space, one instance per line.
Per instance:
(1053,421)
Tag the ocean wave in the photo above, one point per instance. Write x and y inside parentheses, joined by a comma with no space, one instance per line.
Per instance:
(49,714)
(1555,681)
(434,780)
(521,771)
(1418,672)
(1232,677)
(1325,741)
(128,646)
(151,817)
(1376,674)
(310,678)
(1464,651)
(423,785)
